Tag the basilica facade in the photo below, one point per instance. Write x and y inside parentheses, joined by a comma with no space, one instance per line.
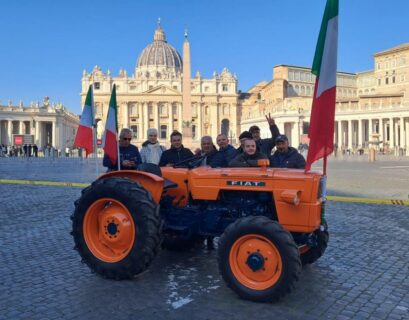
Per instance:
(160,93)
(372,107)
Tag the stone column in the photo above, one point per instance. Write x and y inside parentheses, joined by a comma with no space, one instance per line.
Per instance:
(381,131)
(156,119)
(359,142)
(145,120)
(170,121)
(199,123)
(396,138)
(370,130)
(349,134)
(20,127)
(126,115)
(407,136)
(180,117)
(391,133)
(339,140)
(402,141)
(53,138)
(10,132)
(37,134)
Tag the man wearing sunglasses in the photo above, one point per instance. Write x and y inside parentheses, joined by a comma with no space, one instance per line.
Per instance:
(129,155)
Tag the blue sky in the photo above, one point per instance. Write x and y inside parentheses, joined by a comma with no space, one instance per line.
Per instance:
(45,45)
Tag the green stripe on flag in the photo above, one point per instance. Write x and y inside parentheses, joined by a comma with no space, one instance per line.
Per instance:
(88,102)
(331,11)
(112,104)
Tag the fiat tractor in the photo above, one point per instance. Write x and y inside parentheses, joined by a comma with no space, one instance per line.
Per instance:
(268,222)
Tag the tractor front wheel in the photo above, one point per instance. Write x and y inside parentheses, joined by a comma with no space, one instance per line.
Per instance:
(116,228)
(258,259)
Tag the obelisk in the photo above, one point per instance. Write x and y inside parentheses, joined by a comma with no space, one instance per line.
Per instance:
(186,94)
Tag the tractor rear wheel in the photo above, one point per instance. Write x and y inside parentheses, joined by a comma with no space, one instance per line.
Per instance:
(310,255)
(116,228)
(258,259)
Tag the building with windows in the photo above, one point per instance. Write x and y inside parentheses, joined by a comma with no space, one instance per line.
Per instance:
(46,124)
(372,107)
(161,94)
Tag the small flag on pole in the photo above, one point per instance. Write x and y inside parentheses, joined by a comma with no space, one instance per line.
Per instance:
(321,131)
(110,139)
(84,138)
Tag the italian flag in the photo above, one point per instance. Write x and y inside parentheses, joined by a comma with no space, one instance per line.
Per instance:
(321,131)
(110,138)
(84,138)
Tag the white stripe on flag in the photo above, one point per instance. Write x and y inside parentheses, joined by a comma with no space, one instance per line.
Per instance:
(328,72)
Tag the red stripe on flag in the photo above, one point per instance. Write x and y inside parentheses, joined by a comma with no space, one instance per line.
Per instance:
(84,139)
(110,146)
(321,130)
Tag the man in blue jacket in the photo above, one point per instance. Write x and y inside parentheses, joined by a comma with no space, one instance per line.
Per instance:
(176,153)
(225,154)
(286,156)
(129,156)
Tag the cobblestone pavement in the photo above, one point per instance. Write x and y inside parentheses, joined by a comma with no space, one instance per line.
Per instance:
(363,275)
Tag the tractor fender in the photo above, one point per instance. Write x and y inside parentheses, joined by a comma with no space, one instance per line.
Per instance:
(151,182)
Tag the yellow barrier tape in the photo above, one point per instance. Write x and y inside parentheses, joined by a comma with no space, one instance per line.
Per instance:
(369,200)
(44,183)
(329,198)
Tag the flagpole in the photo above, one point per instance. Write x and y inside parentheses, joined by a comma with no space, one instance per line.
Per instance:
(325,160)
(117,149)
(94,130)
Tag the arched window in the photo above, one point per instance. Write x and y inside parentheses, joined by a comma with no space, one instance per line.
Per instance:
(297,89)
(302,90)
(308,92)
(206,110)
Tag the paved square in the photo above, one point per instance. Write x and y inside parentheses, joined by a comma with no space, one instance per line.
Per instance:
(363,275)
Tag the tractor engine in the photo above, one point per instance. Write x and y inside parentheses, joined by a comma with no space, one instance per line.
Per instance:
(212,217)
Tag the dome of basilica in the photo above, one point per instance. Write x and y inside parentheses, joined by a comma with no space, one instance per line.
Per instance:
(159,53)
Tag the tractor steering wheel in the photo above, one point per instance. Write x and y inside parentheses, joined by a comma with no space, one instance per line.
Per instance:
(190,163)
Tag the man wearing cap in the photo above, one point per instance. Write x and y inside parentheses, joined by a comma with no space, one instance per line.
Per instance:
(151,149)
(265,145)
(286,156)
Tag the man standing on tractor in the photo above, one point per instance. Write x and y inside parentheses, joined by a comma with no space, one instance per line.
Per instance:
(265,145)
(286,156)
(151,149)
(176,153)
(129,156)
(250,156)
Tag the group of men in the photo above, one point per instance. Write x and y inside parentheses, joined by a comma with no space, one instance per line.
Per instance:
(252,148)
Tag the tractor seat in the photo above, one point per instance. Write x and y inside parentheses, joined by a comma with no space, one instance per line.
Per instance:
(154,169)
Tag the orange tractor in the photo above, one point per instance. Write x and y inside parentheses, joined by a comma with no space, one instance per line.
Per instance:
(270,222)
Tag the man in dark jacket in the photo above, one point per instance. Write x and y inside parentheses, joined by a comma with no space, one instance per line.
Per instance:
(129,156)
(249,157)
(265,145)
(286,156)
(225,154)
(176,153)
